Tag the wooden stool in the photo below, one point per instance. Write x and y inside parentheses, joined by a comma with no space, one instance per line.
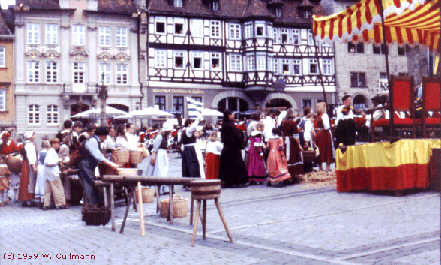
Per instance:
(203,190)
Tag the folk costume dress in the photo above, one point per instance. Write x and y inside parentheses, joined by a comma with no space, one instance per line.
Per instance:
(212,159)
(6,149)
(190,163)
(256,162)
(160,168)
(232,170)
(324,139)
(28,175)
(41,178)
(290,134)
(276,162)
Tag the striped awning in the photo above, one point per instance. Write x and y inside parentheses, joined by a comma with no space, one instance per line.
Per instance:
(413,22)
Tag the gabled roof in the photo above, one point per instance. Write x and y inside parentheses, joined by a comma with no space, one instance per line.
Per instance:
(238,9)
(4,29)
(39,4)
(123,7)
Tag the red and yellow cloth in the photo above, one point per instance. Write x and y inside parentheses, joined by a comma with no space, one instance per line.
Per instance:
(406,22)
(385,166)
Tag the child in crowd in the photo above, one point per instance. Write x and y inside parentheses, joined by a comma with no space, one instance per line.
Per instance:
(276,163)
(41,180)
(53,186)
(256,164)
(213,151)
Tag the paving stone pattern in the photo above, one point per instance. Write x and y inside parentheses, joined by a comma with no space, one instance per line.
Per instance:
(292,225)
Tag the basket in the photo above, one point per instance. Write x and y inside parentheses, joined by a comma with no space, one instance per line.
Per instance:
(135,157)
(95,216)
(180,207)
(4,171)
(120,156)
(148,195)
(15,163)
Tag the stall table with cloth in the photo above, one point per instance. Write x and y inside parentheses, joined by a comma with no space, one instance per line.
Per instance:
(130,183)
(385,166)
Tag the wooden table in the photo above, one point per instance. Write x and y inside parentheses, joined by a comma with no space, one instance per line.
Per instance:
(130,183)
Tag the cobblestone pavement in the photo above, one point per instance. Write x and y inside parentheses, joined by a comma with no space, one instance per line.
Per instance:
(292,225)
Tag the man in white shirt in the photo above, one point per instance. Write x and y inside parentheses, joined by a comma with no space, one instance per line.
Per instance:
(132,138)
(53,181)
(345,131)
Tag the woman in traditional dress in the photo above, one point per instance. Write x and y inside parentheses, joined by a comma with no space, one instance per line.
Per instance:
(290,134)
(8,146)
(41,179)
(323,136)
(158,164)
(213,151)
(190,163)
(256,163)
(29,170)
(276,162)
(232,170)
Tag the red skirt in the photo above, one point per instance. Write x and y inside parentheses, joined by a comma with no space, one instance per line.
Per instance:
(23,192)
(212,166)
(325,146)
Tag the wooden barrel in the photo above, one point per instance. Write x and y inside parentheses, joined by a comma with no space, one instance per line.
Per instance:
(205,189)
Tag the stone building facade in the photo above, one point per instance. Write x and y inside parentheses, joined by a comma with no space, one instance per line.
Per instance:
(7,99)
(65,48)
(236,55)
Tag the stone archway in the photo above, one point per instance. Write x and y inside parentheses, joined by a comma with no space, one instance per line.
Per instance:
(282,96)
(231,94)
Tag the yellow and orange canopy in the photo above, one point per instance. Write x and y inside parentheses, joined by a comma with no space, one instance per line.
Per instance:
(411,22)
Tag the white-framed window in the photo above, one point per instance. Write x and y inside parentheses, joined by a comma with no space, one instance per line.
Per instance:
(297,69)
(160,58)
(197,27)
(215,61)
(104,68)
(235,62)
(78,35)
(51,72)
(234,31)
(296,36)
(285,67)
(78,73)
(177,3)
(215,29)
(2,57)
(313,67)
(260,30)
(121,37)
(261,62)
(32,33)
(197,60)
(284,35)
(33,72)
(327,68)
(51,31)
(310,37)
(122,73)
(251,64)
(248,30)
(52,114)
(34,114)
(179,59)
(160,25)
(104,36)
(2,99)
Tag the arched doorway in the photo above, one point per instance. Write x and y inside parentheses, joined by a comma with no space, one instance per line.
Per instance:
(77,108)
(278,103)
(120,107)
(360,102)
(233,104)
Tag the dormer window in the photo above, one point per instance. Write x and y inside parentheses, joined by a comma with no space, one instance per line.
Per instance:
(215,5)
(278,12)
(177,3)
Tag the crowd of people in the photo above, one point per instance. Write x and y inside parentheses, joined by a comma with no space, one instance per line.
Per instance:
(265,148)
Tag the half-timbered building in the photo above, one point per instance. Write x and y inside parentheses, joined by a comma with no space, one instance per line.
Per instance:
(235,54)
